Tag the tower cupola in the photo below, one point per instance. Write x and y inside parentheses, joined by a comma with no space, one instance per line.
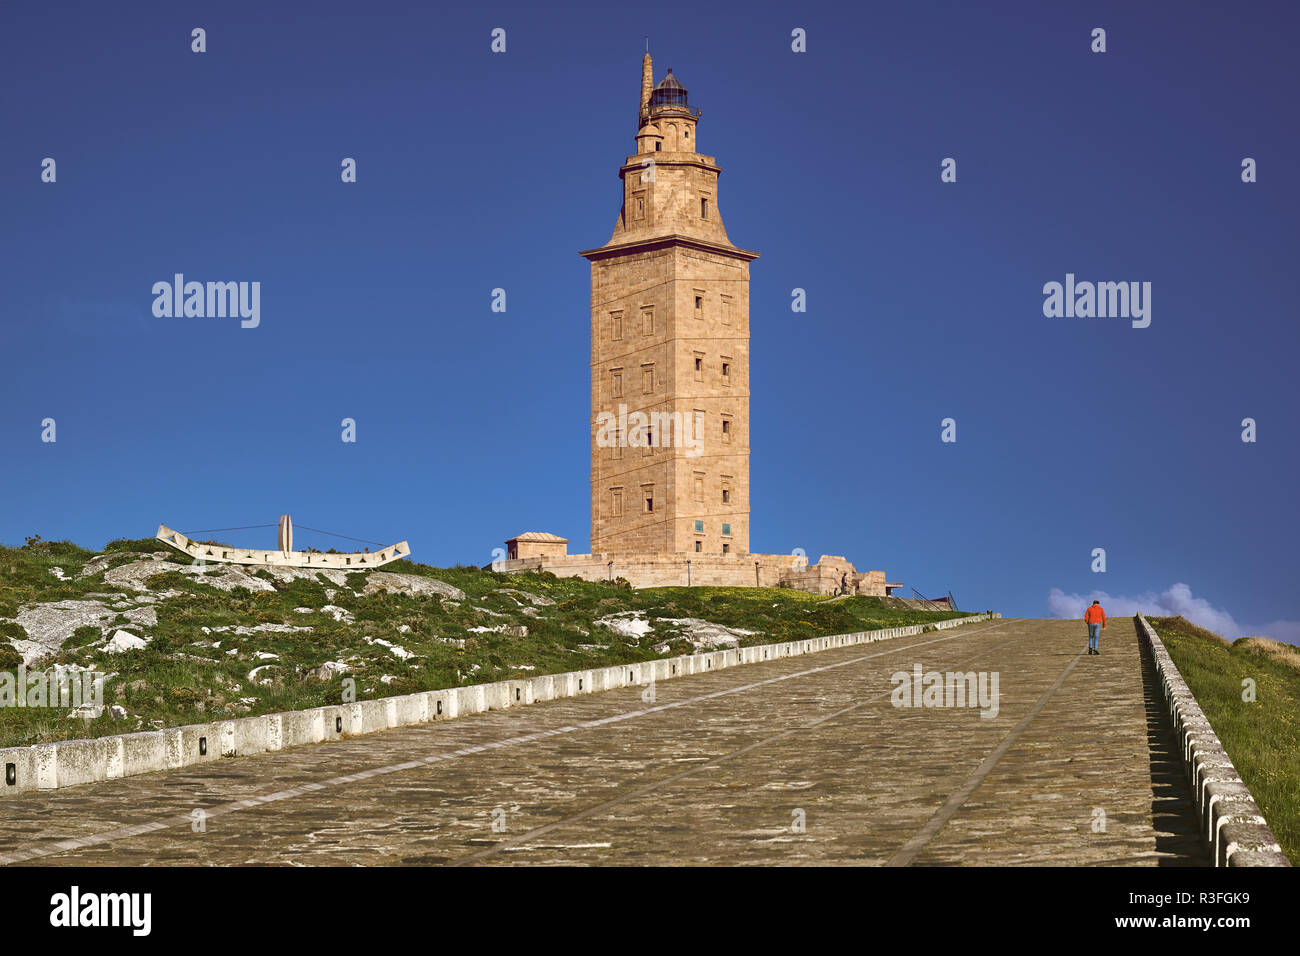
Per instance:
(668,111)
(669,93)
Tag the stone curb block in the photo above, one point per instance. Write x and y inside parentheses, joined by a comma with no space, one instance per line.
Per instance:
(1231,824)
(302,727)
(71,763)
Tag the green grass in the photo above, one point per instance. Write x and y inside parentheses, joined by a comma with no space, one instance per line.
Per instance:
(1263,737)
(179,679)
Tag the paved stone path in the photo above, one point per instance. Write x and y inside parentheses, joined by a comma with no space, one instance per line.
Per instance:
(797,761)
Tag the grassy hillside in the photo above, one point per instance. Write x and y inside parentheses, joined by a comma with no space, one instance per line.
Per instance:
(233,642)
(1263,737)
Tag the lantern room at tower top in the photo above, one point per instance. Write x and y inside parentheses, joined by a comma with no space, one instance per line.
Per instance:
(666,121)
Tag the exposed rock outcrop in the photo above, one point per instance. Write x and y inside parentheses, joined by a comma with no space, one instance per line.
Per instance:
(227,577)
(123,641)
(411,584)
(48,626)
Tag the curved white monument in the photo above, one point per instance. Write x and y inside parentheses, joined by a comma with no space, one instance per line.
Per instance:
(285,557)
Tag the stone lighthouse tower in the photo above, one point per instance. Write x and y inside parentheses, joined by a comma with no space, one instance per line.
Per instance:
(669,349)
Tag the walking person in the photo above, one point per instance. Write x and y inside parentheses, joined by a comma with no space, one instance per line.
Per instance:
(1095,618)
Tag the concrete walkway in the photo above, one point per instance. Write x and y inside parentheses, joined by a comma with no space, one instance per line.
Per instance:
(798,761)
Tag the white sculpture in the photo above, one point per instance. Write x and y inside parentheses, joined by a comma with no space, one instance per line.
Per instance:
(285,557)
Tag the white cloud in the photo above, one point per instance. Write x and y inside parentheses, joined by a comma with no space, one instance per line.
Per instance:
(1175,601)
(1288,631)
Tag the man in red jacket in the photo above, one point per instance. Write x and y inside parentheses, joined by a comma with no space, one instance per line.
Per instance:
(1095,618)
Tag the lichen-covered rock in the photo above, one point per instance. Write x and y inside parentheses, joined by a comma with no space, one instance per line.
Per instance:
(627,624)
(329,670)
(336,612)
(142,616)
(265,675)
(397,650)
(245,629)
(286,575)
(538,599)
(226,577)
(704,634)
(102,562)
(510,630)
(48,626)
(123,641)
(411,584)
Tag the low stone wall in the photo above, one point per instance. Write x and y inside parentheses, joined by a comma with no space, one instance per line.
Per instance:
(1231,823)
(650,570)
(73,762)
(694,569)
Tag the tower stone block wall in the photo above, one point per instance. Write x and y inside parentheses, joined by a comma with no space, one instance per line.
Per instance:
(670,347)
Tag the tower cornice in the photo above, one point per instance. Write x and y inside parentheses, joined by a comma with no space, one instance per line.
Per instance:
(658,242)
(635,162)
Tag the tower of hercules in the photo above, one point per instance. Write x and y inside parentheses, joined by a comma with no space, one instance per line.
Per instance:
(669,349)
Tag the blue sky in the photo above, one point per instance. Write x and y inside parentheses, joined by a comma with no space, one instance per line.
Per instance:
(479,170)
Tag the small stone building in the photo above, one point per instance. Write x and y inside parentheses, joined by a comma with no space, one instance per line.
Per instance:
(536,544)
